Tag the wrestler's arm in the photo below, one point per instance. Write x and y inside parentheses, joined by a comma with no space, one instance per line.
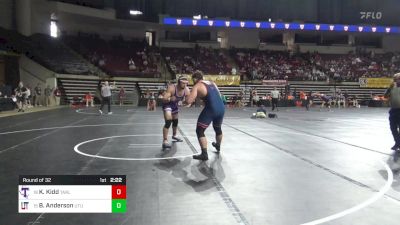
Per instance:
(167,95)
(187,93)
(193,94)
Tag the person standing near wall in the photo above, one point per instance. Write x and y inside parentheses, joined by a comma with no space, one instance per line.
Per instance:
(38,95)
(106,94)
(57,95)
(393,93)
(275,99)
(47,95)
(28,97)
(121,96)
(20,94)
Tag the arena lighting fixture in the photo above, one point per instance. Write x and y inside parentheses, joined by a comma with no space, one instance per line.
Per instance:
(135,12)
(53,29)
(197,17)
(279,25)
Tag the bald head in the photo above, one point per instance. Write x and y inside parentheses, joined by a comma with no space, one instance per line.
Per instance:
(396,76)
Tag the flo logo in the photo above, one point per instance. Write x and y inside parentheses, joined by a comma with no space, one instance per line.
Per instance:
(371,15)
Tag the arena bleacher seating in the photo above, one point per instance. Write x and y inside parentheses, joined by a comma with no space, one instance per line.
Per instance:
(47,51)
(113,56)
(187,60)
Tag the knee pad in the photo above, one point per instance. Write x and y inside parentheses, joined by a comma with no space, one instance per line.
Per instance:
(175,122)
(200,132)
(217,129)
(167,123)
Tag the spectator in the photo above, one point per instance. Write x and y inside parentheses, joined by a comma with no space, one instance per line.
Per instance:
(131,65)
(151,102)
(89,99)
(121,96)
(47,96)
(224,99)
(233,71)
(275,99)
(20,93)
(102,61)
(28,97)
(38,95)
(57,95)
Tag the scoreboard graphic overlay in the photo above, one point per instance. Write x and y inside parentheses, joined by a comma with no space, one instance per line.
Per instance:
(72,194)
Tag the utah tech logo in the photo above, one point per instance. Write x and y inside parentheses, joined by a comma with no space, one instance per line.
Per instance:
(24,191)
(24,205)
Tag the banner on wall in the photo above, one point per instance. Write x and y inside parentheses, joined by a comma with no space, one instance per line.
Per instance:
(375,82)
(220,80)
(275,83)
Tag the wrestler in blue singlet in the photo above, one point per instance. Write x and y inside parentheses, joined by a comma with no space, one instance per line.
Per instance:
(214,109)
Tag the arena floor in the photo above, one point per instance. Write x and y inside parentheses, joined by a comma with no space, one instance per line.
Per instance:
(301,168)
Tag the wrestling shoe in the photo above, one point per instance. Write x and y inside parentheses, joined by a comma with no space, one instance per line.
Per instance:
(202,156)
(216,146)
(166,145)
(175,138)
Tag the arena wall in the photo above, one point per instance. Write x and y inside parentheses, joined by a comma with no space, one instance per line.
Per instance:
(32,73)
(6,14)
